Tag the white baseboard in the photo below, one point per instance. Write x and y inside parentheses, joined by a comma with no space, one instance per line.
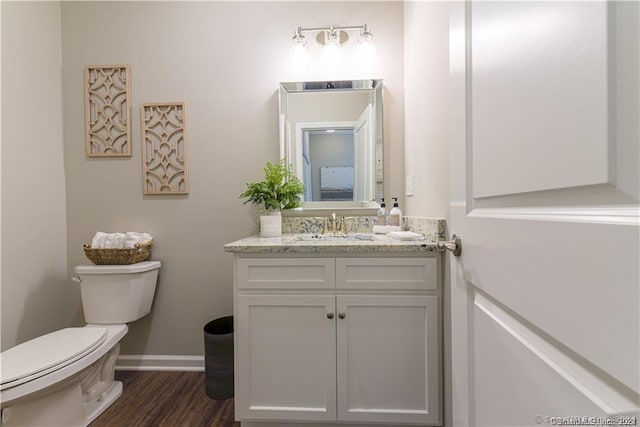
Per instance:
(160,363)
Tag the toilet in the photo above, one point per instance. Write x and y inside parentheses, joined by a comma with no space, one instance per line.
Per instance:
(66,377)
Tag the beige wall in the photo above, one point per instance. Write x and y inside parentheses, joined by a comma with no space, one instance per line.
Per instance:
(426,72)
(225,60)
(37,296)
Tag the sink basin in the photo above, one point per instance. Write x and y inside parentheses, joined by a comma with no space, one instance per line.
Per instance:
(334,237)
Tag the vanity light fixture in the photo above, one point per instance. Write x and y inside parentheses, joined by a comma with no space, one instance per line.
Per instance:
(332,36)
(330,56)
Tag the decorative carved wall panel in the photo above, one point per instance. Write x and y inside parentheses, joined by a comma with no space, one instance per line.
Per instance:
(164,148)
(107,110)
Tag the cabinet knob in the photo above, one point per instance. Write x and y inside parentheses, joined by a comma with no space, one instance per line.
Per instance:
(329,315)
(341,315)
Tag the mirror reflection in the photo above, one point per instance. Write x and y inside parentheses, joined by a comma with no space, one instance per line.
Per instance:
(331,132)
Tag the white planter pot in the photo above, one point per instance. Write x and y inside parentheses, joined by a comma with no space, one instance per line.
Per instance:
(271,224)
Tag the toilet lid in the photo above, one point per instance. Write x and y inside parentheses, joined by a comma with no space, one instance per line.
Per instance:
(47,353)
(139,267)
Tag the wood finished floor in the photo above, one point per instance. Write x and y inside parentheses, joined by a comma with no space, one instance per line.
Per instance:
(171,399)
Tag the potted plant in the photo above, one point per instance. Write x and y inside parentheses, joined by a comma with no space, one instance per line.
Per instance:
(281,189)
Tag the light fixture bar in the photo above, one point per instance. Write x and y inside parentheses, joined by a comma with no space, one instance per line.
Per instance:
(332,27)
(332,34)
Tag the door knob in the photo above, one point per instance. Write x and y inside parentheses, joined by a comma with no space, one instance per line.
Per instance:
(341,315)
(329,315)
(454,245)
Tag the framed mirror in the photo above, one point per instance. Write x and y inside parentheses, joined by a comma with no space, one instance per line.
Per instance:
(331,133)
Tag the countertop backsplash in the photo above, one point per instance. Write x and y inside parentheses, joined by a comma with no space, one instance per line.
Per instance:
(432,228)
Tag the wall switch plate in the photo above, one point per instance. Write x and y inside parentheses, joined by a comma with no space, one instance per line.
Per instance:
(409,185)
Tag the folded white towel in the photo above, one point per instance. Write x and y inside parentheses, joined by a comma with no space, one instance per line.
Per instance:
(133,238)
(384,229)
(145,238)
(103,240)
(108,243)
(98,240)
(118,240)
(406,235)
(114,241)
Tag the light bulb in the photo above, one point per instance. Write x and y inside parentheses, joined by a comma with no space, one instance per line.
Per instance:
(366,51)
(333,38)
(368,48)
(299,58)
(331,54)
(298,53)
(298,38)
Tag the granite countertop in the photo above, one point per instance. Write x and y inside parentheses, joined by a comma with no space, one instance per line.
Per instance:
(314,243)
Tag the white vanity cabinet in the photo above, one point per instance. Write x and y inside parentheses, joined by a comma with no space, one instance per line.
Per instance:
(332,340)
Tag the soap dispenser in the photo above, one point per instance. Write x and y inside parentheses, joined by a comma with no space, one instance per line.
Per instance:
(382,213)
(396,214)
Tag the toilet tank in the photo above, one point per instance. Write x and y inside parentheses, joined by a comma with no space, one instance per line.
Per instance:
(116,294)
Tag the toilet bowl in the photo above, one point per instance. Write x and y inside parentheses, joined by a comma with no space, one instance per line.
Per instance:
(66,377)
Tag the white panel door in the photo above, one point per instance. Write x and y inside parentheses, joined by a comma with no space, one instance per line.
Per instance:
(388,359)
(545,297)
(363,156)
(286,357)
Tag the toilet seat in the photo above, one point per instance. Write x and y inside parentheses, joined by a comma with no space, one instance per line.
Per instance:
(47,353)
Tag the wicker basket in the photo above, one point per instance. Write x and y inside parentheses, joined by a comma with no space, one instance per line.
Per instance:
(118,256)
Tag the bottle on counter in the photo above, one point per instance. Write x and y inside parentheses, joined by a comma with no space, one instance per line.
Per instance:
(382,213)
(395,214)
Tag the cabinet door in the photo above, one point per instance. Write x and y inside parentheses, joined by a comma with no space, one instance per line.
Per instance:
(285,366)
(388,359)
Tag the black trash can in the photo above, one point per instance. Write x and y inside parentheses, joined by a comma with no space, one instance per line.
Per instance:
(218,358)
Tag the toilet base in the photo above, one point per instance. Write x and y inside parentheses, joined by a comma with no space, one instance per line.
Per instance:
(106,401)
(65,404)
(76,400)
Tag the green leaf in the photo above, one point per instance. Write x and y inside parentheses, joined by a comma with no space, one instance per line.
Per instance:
(281,189)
